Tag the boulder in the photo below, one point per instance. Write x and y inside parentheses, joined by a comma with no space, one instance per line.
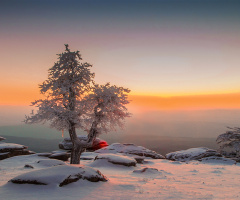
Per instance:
(130,149)
(60,156)
(59,176)
(2,138)
(192,154)
(117,159)
(8,147)
(98,143)
(4,155)
(218,160)
(8,150)
(49,162)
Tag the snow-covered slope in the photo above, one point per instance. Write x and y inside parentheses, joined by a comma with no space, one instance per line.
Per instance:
(153,179)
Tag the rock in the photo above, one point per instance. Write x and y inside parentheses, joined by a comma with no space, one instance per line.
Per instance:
(192,154)
(139,160)
(66,144)
(151,173)
(130,149)
(59,176)
(2,138)
(218,160)
(117,159)
(8,147)
(4,155)
(44,154)
(147,170)
(28,166)
(60,156)
(236,159)
(8,150)
(87,155)
(50,162)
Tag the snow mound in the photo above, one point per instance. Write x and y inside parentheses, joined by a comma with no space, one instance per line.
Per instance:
(192,154)
(2,138)
(59,176)
(115,159)
(130,149)
(218,160)
(98,143)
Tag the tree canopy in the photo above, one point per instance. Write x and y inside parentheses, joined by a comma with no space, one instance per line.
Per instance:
(73,100)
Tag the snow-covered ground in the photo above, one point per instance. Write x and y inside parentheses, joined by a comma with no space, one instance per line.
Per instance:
(154,179)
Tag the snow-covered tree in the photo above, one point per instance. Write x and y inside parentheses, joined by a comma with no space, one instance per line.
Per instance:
(230,140)
(73,101)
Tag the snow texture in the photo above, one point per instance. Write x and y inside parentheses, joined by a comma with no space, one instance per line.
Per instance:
(191,154)
(130,149)
(195,180)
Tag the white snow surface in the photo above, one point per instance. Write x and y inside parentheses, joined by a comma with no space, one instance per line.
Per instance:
(163,179)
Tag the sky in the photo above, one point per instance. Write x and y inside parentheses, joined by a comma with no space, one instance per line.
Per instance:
(172,54)
(180,58)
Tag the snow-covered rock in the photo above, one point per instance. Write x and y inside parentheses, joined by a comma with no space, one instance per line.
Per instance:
(8,150)
(45,154)
(2,138)
(192,154)
(59,155)
(130,149)
(98,143)
(87,155)
(59,176)
(117,159)
(6,147)
(50,162)
(4,155)
(218,160)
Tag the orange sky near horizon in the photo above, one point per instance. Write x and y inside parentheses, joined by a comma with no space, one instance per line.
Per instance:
(172,54)
(20,96)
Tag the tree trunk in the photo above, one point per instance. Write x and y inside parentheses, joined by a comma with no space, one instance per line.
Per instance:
(77,149)
(76,153)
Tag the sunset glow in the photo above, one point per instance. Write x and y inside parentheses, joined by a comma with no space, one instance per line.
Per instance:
(172,55)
